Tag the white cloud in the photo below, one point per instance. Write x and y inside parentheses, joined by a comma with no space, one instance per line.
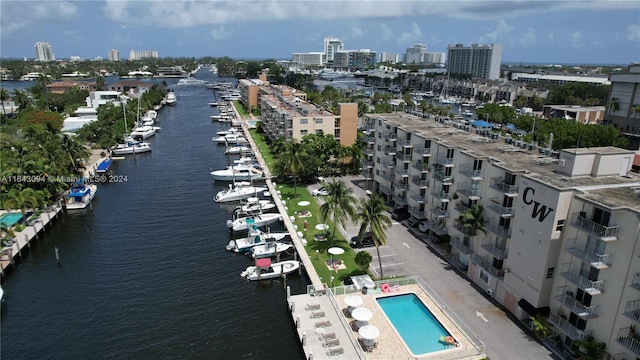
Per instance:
(387,33)
(220,33)
(528,38)
(16,15)
(356,32)
(501,34)
(575,39)
(412,36)
(633,32)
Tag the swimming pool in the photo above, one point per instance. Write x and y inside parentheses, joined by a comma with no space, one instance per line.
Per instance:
(415,324)
(10,219)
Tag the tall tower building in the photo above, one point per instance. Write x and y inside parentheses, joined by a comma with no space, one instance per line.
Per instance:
(331,46)
(44,52)
(480,61)
(114,55)
(415,54)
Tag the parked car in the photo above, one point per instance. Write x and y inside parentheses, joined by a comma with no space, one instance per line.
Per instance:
(413,221)
(367,241)
(401,213)
(423,226)
(320,192)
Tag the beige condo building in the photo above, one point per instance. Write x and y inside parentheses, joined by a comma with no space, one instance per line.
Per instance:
(560,229)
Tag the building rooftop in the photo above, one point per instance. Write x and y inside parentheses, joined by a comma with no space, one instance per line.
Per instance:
(516,157)
(290,103)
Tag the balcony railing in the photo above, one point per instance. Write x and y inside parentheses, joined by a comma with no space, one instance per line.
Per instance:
(583,282)
(420,165)
(605,233)
(498,251)
(403,157)
(401,171)
(509,190)
(404,143)
(461,206)
(632,310)
(505,212)
(390,150)
(567,299)
(469,231)
(442,195)
(486,265)
(417,212)
(388,163)
(417,196)
(468,171)
(567,328)
(440,213)
(445,179)
(401,185)
(390,136)
(422,183)
(368,152)
(388,177)
(437,227)
(400,198)
(458,243)
(422,151)
(628,339)
(467,190)
(498,229)
(577,248)
(384,188)
(636,281)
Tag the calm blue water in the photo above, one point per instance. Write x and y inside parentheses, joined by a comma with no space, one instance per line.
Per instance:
(414,322)
(10,218)
(145,275)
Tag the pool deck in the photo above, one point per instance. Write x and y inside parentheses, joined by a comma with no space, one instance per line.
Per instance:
(389,343)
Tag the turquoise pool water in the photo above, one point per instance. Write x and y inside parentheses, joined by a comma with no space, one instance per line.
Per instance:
(10,219)
(415,324)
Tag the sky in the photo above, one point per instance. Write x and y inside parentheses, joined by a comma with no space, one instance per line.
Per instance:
(553,32)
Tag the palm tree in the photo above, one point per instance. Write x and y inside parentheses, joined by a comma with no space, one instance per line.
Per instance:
(74,151)
(6,232)
(22,200)
(4,95)
(292,162)
(635,109)
(21,97)
(614,104)
(473,219)
(590,349)
(339,203)
(371,216)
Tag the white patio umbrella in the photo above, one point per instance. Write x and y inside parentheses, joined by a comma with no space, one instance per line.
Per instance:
(362,315)
(369,333)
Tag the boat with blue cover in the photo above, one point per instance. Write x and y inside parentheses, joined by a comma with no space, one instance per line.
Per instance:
(79,196)
(104,165)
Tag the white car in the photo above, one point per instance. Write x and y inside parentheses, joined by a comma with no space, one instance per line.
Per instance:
(320,192)
(423,226)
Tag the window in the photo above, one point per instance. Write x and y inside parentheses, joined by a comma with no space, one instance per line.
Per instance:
(484,276)
(319,132)
(304,121)
(318,120)
(550,272)
(304,132)
(560,225)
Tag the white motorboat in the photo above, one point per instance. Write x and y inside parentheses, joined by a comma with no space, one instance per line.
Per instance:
(264,269)
(238,191)
(214,104)
(245,223)
(191,81)
(230,131)
(255,237)
(80,195)
(171,98)
(149,118)
(238,149)
(243,170)
(269,249)
(131,147)
(143,132)
(254,205)
(230,139)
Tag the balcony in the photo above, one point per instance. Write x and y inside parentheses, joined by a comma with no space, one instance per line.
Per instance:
(469,190)
(583,282)
(578,248)
(498,183)
(388,163)
(636,281)
(385,188)
(442,195)
(390,137)
(367,164)
(499,251)
(438,228)
(459,244)
(485,264)
(368,152)
(604,233)
(402,172)
(628,339)
(422,151)
(567,328)
(404,143)
(467,170)
(440,213)
(498,229)
(442,177)
(567,299)
(422,183)
(389,150)
(403,157)
(504,212)
(462,207)
(400,199)
(445,161)
(420,165)
(387,177)
(371,139)
(465,230)
(417,196)
(632,310)
(417,212)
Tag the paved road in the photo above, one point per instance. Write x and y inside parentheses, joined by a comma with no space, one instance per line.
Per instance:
(406,254)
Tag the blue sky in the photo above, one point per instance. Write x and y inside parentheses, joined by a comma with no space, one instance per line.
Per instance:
(577,31)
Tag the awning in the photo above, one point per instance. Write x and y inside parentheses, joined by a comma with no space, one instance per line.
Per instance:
(532,310)
(263,263)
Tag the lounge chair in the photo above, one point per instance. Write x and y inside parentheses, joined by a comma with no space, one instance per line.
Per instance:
(331,342)
(317,314)
(335,351)
(323,323)
(327,336)
(312,307)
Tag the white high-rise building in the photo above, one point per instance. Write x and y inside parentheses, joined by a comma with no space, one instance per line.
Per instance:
(114,55)
(142,54)
(480,61)
(389,57)
(44,52)
(435,58)
(308,59)
(415,54)
(331,46)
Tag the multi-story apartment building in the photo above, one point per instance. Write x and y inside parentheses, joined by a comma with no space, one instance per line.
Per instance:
(624,94)
(308,59)
(114,55)
(415,54)
(560,234)
(142,54)
(44,51)
(286,114)
(249,89)
(358,59)
(438,58)
(480,61)
(331,47)
(559,80)
(389,57)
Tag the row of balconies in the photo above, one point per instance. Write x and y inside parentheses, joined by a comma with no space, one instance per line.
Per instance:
(567,299)
(486,265)
(578,248)
(629,339)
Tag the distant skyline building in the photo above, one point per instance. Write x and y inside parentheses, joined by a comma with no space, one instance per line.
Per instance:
(623,96)
(480,61)
(142,54)
(438,58)
(308,59)
(359,59)
(389,57)
(114,55)
(415,54)
(331,47)
(44,51)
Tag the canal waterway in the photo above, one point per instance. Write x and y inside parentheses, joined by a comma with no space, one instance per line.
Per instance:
(145,274)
